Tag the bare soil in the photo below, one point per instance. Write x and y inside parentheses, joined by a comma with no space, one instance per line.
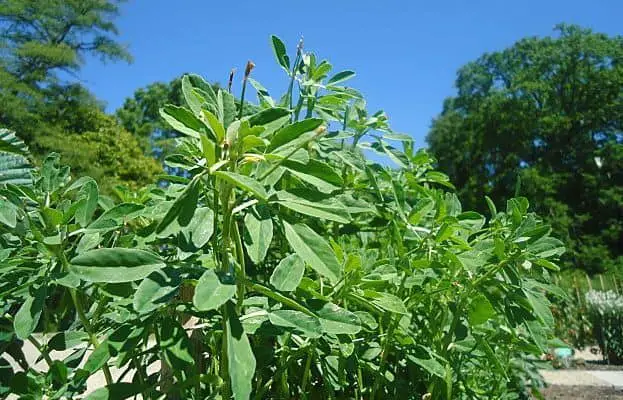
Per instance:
(559,392)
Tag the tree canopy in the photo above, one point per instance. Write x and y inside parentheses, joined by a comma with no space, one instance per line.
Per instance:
(548,113)
(43,45)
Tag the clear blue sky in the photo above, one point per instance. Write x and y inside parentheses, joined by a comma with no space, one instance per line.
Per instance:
(405,53)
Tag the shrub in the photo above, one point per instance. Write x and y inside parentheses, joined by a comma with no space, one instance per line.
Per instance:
(282,265)
(606,313)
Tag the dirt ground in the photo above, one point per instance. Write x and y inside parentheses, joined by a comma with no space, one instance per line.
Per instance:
(558,392)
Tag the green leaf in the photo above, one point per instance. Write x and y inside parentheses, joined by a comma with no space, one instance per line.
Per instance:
(182,120)
(193,101)
(291,132)
(175,346)
(340,77)
(216,127)
(99,357)
(305,324)
(67,340)
(8,213)
(116,391)
(541,306)
(27,317)
(547,247)
(279,48)
(252,142)
(262,94)
(429,365)
(268,116)
(183,208)
(15,168)
(491,205)
(115,265)
(208,149)
(155,290)
(471,220)
(386,301)
(338,321)
(89,241)
(241,361)
(257,236)
(288,273)
(480,310)
(317,169)
(367,319)
(314,250)
(90,194)
(210,293)
(328,210)
(203,87)
(201,227)
(78,183)
(10,143)
(320,184)
(117,214)
(227,107)
(245,183)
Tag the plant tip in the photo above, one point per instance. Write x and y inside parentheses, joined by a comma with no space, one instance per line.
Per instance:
(248,69)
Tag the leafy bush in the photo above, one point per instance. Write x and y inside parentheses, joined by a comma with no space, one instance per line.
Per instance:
(606,313)
(284,265)
(572,323)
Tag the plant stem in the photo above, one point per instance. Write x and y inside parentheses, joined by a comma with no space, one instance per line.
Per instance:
(87,327)
(41,349)
(307,371)
(299,52)
(278,297)
(283,377)
(241,263)
(83,318)
(225,269)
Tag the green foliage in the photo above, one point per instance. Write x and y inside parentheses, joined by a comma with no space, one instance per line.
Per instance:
(41,40)
(107,153)
(15,167)
(141,114)
(544,116)
(233,281)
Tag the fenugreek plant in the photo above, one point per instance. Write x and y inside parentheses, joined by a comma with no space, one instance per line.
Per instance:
(282,264)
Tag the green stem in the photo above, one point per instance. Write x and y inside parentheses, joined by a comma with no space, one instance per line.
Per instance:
(277,297)
(242,273)
(41,349)
(260,394)
(299,52)
(393,323)
(89,330)
(83,318)
(283,376)
(307,371)
(244,89)
(224,367)
(299,106)
(377,381)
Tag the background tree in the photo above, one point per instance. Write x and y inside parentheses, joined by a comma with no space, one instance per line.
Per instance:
(42,44)
(548,112)
(140,115)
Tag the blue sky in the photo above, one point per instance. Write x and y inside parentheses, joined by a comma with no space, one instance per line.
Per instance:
(405,53)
